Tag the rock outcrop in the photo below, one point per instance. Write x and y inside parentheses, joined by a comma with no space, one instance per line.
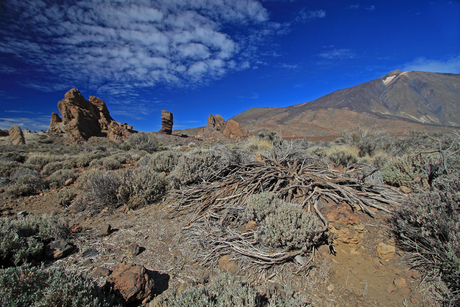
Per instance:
(166,122)
(16,135)
(82,119)
(4,133)
(132,282)
(217,129)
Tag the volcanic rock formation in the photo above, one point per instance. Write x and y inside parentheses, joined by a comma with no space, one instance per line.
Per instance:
(82,119)
(166,122)
(218,129)
(16,135)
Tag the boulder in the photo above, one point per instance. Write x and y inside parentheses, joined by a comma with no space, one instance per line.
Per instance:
(217,129)
(16,135)
(215,123)
(132,282)
(58,249)
(166,122)
(234,132)
(4,133)
(82,119)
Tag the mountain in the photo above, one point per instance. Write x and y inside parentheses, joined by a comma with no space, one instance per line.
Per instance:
(398,102)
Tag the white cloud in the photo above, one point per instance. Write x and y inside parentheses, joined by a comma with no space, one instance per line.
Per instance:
(34,124)
(306,15)
(353,7)
(446,65)
(370,8)
(130,43)
(337,54)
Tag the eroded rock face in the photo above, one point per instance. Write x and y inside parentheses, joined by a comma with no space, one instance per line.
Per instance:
(166,122)
(82,119)
(4,132)
(217,129)
(235,132)
(16,135)
(132,282)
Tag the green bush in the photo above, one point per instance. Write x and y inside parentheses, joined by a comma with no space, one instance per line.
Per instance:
(342,158)
(65,197)
(283,225)
(83,160)
(141,141)
(111,163)
(25,182)
(50,168)
(36,286)
(7,168)
(427,228)
(103,188)
(58,178)
(290,227)
(140,187)
(22,239)
(403,171)
(164,161)
(85,179)
(197,166)
(226,291)
(40,160)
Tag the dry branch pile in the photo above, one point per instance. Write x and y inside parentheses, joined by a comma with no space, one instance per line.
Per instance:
(216,207)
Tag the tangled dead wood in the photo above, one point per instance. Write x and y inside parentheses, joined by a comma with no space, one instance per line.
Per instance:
(308,183)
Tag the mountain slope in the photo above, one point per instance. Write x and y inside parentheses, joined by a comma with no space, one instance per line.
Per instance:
(397,102)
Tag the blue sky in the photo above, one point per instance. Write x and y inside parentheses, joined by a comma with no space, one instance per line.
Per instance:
(201,57)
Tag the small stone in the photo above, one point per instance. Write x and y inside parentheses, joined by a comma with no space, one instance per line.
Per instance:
(69,182)
(391,288)
(101,272)
(385,251)
(397,271)
(400,282)
(330,288)
(106,230)
(76,228)
(252,225)
(58,249)
(413,274)
(133,249)
(227,265)
(405,189)
(301,259)
(182,287)
(22,214)
(90,252)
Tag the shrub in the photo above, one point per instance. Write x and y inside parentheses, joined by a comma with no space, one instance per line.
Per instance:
(36,286)
(197,166)
(22,239)
(284,225)
(7,168)
(164,161)
(258,145)
(40,160)
(52,167)
(58,178)
(25,182)
(225,291)
(290,227)
(142,141)
(140,187)
(403,171)
(427,228)
(111,163)
(103,188)
(84,160)
(85,180)
(65,197)
(343,155)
